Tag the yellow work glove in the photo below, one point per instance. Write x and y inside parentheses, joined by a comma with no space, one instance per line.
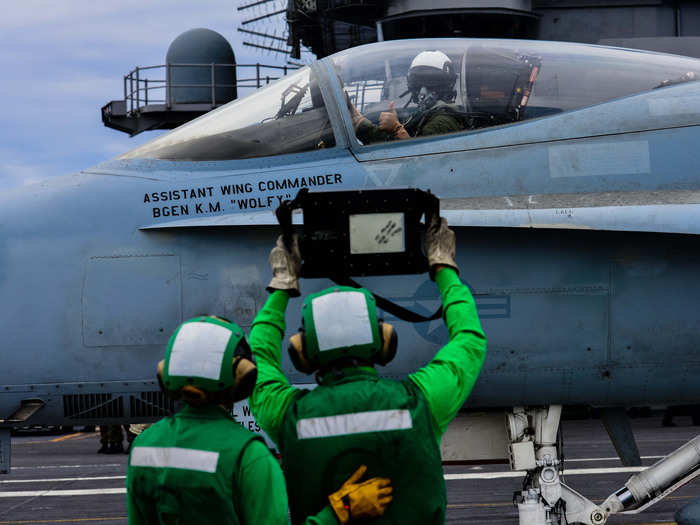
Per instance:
(356,500)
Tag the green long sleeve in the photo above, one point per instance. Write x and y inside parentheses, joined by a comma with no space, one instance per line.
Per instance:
(135,512)
(272,393)
(259,491)
(263,492)
(450,376)
(446,381)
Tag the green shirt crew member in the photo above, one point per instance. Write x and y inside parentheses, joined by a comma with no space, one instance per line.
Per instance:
(200,465)
(354,416)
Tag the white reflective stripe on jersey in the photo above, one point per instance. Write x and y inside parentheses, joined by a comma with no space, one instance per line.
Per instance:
(174,457)
(198,350)
(343,424)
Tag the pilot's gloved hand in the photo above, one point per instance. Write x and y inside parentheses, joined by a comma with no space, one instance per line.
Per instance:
(389,122)
(440,246)
(356,500)
(286,265)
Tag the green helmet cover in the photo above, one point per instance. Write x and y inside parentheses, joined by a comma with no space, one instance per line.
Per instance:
(200,353)
(340,322)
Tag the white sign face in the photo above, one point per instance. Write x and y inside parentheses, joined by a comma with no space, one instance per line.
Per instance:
(242,414)
(377,233)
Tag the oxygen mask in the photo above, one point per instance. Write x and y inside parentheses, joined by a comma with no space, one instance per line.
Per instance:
(425,99)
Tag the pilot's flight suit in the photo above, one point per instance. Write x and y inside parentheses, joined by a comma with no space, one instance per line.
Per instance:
(440,119)
(394,427)
(201,466)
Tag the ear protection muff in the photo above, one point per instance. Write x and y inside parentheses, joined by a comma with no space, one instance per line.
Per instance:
(297,353)
(245,374)
(159,374)
(245,371)
(387,351)
(390,342)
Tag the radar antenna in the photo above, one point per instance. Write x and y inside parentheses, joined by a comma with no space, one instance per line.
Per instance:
(264,28)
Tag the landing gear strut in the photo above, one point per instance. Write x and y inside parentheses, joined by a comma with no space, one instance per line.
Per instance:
(546,500)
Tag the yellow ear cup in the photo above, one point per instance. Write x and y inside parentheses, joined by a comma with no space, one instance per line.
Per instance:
(389,344)
(243,368)
(245,374)
(297,342)
(298,355)
(160,370)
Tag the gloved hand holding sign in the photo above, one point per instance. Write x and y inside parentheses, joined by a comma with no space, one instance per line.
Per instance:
(356,500)
(286,265)
(440,246)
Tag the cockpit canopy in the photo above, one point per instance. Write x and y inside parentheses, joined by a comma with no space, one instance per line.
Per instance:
(498,82)
(288,116)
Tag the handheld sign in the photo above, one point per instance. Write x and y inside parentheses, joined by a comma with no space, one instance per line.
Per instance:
(360,233)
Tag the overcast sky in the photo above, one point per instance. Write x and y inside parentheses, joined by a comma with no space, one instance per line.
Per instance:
(61,61)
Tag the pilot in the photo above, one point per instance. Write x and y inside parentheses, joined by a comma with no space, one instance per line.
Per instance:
(200,465)
(431,80)
(354,416)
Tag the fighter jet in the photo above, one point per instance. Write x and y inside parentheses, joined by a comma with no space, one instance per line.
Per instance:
(571,179)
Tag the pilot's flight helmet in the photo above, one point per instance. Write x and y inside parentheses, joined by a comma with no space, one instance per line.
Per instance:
(434,71)
(341,322)
(211,354)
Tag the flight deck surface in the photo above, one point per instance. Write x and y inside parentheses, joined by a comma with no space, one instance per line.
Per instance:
(61,479)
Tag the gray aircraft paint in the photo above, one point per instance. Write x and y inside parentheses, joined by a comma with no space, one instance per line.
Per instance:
(581,303)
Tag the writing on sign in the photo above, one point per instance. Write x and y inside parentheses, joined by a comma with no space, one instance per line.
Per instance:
(242,414)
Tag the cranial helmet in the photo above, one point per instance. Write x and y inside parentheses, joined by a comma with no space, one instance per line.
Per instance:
(341,322)
(434,71)
(211,354)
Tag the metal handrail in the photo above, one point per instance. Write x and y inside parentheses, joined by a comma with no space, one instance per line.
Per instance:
(358,93)
(139,85)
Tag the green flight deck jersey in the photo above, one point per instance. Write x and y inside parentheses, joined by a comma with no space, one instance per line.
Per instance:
(201,466)
(356,417)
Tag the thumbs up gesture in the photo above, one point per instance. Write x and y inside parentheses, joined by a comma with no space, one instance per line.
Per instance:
(389,122)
